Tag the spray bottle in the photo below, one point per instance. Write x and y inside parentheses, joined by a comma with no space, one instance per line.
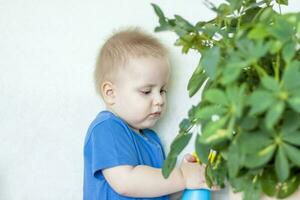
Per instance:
(198,194)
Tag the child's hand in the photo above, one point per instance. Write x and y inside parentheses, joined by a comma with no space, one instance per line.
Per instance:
(193,173)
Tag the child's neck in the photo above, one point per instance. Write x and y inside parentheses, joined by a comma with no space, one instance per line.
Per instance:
(138,131)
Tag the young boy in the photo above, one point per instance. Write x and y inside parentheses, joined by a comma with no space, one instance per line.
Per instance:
(123,157)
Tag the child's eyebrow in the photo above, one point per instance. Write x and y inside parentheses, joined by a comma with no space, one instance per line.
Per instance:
(148,85)
(151,85)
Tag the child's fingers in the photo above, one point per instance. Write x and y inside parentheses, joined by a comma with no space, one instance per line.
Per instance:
(189,158)
(215,187)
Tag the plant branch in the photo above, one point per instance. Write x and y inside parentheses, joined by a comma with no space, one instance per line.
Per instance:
(276,69)
(260,70)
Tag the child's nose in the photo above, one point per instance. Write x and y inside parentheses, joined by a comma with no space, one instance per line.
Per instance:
(159,100)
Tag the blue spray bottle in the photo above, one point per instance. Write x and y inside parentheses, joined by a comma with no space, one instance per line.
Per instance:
(197,194)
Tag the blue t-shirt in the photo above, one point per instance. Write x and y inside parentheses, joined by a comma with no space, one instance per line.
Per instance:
(111,142)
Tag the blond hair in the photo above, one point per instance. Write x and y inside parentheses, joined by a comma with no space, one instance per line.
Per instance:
(118,48)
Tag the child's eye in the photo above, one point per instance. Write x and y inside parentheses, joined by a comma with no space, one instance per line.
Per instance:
(163,91)
(146,92)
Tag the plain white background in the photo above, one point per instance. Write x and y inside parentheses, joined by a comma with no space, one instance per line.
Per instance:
(47,98)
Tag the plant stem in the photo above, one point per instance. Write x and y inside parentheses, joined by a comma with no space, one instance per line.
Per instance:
(238,24)
(260,70)
(279,8)
(257,14)
(276,70)
(255,178)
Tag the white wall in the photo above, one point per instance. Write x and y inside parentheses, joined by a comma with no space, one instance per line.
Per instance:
(47,99)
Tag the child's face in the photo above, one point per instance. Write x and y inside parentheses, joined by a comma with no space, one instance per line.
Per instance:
(140,91)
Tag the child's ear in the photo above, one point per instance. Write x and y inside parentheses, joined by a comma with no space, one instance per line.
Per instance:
(108,92)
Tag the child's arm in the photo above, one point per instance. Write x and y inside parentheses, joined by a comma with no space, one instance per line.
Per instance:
(145,181)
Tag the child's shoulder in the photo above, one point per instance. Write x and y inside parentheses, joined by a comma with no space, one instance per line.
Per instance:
(104,119)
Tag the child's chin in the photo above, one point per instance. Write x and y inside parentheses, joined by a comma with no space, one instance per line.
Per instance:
(151,123)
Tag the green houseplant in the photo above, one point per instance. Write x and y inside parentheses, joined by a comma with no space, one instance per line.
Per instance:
(249,114)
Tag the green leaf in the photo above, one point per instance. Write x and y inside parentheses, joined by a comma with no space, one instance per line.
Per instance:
(282,168)
(258,32)
(185,125)
(238,183)
(252,11)
(213,132)
(208,111)
(235,4)
(236,96)
(192,111)
(270,83)
(235,160)
(183,23)
(185,39)
(210,60)
(249,123)
(190,37)
(267,15)
(251,51)
(179,143)
(186,45)
(292,138)
(284,2)
(252,192)
(219,172)
(209,176)
(232,93)
(158,11)
(288,187)
(261,49)
(260,158)
(292,153)
(290,122)
(196,81)
(276,45)
(215,174)
(216,96)
(231,73)
(274,114)
(168,166)
(210,29)
(162,19)
(253,142)
(282,29)
(292,18)
(256,103)
(263,128)
(289,51)
(202,150)
(294,102)
(291,80)
(233,68)
(268,182)
(224,9)
(161,28)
